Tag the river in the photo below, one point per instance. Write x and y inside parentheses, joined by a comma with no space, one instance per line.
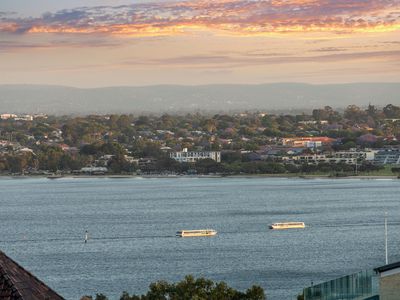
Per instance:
(132,224)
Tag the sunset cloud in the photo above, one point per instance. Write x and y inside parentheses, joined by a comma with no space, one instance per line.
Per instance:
(200,42)
(232,17)
(230,61)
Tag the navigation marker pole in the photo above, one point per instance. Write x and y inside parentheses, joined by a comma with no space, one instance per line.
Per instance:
(386,240)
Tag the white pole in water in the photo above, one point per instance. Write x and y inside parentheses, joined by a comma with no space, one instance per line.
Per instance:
(386,240)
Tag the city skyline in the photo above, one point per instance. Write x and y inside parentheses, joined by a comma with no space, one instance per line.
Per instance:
(111,43)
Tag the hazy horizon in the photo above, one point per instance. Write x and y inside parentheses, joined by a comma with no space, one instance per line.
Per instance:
(199,85)
(184,98)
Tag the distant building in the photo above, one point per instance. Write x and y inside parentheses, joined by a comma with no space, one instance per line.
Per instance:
(387,157)
(309,142)
(318,159)
(360,155)
(24,118)
(94,170)
(313,122)
(7,116)
(193,156)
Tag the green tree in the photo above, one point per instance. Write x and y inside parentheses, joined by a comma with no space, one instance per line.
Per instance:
(391,111)
(17,163)
(195,289)
(101,297)
(206,166)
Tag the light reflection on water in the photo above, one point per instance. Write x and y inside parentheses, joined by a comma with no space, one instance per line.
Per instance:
(132,225)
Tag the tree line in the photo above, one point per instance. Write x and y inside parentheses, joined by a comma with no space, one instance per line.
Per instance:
(191,289)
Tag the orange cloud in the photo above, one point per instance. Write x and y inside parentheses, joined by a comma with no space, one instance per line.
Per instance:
(236,17)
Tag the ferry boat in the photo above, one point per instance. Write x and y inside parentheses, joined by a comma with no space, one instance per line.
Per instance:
(194,233)
(287,225)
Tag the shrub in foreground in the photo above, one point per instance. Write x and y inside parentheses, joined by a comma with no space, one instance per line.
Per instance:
(191,289)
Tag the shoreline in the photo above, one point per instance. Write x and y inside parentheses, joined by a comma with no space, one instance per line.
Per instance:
(249,176)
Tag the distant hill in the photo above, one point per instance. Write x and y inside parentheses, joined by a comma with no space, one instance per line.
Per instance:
(206,98)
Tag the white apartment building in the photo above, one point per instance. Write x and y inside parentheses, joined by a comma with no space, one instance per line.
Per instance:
(367,155)
(193,156)
(316,159)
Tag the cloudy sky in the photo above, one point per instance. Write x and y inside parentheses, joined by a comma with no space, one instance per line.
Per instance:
(91,43)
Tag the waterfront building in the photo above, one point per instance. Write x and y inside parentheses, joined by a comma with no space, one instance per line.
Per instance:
(367,155)
(318,159)
(94,170)
(16,283)
(193,156)
(387,157)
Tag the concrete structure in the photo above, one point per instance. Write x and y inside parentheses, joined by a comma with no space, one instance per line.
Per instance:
(318,159)
(387,157)
(309,142)
(360,155)
(193,156)
(94,170)
(7,116)
(24,118)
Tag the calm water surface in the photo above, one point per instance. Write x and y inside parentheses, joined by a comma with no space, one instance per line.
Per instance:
(132,225)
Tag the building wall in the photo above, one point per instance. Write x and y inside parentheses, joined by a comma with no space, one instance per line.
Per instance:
(316,159)
(390,287)
(387,157)
(358,286)
(193,156)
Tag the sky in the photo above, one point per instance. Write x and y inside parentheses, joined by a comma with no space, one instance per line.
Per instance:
(95,43)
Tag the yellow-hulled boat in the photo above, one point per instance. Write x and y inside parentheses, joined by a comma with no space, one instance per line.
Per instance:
(194,233)
(287,225)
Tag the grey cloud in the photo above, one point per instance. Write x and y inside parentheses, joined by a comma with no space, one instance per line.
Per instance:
(233,62)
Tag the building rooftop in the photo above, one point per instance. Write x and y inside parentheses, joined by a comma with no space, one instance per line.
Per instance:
(16,283)
(387,267)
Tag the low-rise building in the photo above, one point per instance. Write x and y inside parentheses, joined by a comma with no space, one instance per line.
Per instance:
(24,118)
(7,116)
(94,170)
(309,142)
(367,155)
(193,156)
(319,158)
(387,157)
